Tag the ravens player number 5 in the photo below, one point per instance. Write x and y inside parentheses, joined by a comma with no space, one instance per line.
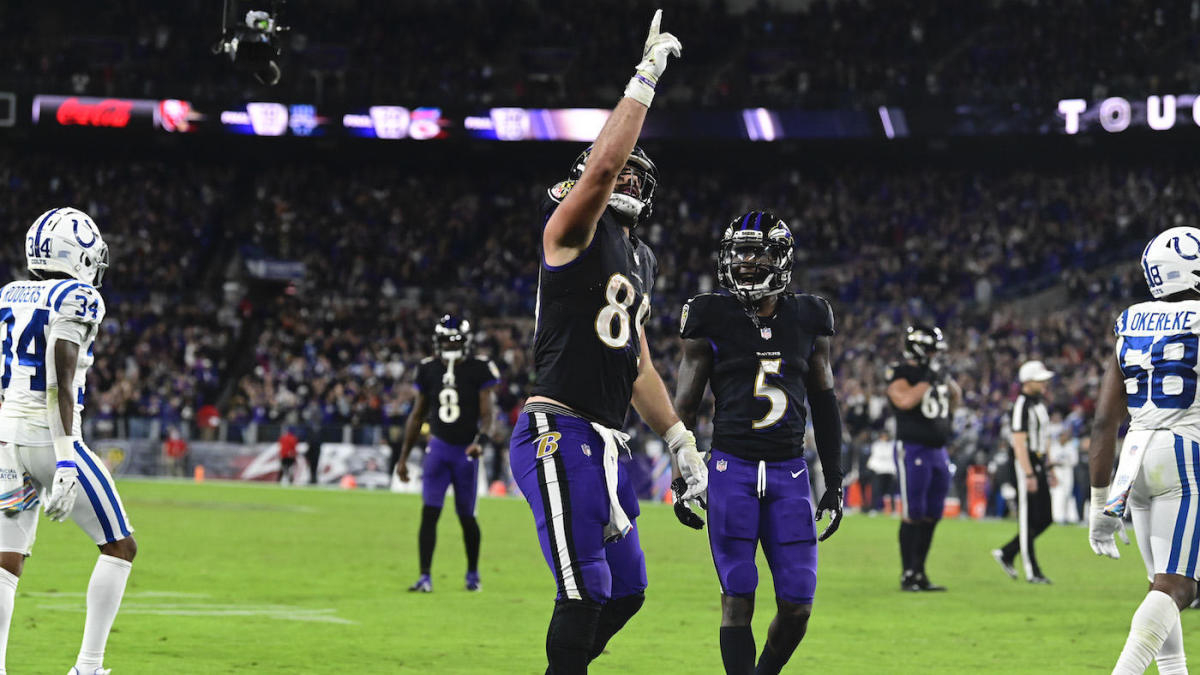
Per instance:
(764,351)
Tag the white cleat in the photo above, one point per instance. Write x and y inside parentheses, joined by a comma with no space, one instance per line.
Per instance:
(98,671)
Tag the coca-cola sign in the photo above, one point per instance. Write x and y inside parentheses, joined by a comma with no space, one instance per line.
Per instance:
(85,111)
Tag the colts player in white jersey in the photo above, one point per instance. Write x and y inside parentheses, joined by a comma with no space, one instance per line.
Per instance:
(1154,375)
(49,328)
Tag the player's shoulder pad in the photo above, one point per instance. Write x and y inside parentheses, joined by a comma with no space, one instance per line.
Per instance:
(489,365)
(816,313)
(902,370)
(78,302)
(560,190)
(697,316)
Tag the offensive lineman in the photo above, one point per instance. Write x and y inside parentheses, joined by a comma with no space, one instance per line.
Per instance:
(764,350)
(1153,375)
(50,328)
(460,424)
(923,400)
(592,360)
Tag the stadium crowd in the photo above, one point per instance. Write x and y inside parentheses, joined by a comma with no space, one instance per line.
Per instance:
(825,53)
(385,252)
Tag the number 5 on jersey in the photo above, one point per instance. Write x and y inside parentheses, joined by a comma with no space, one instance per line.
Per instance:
(774,395)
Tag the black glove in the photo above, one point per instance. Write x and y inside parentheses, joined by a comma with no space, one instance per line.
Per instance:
(831,502)
(682,511)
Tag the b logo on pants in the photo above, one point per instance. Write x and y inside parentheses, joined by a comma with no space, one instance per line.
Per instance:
(547,443)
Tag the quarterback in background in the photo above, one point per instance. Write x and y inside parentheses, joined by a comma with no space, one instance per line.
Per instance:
(1153,376)
(764,351)
(460,424)
(50,326)
(923,399)
(592,360)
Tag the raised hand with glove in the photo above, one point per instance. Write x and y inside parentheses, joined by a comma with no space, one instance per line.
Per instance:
(658,47)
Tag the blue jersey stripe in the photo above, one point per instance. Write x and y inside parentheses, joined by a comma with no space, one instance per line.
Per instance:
(58,303)
(112,498)
(55,289)
(1184,503)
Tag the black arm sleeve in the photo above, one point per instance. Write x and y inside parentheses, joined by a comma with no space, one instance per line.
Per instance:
(827,432)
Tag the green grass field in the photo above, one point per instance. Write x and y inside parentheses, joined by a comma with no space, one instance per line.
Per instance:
(246,578)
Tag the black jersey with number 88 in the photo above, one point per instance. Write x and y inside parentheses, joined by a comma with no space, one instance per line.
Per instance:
(590,314)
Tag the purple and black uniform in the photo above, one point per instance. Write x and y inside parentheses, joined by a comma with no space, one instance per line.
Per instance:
(453,423)
(758,482)
(587,345)
(922,432)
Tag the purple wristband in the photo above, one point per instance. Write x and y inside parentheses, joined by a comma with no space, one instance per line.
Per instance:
(644,80)
(65,464)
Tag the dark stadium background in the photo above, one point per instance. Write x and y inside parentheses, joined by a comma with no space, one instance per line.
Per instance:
(981,213)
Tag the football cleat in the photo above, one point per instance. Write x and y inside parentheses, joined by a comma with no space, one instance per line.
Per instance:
(423,585)
(473,583)
(924,584)
(98,671)
(908,583)
(1039,579)
(1005,565)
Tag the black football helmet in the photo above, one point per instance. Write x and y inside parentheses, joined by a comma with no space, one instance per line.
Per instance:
(922,343)
(636,204)
(452,337)
(756,257)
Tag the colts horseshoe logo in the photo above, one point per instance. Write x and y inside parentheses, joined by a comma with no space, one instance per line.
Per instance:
(87,226)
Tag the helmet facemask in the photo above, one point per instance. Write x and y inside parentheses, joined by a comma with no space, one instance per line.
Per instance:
(752,266)
(922,343)
(633,196)
(452,338)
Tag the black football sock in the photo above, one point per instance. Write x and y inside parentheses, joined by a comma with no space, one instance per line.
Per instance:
(471,536)
(616,613)
(427,537)
(737,650)
(570,636)
(924,532)
(787,630)
(927,541)
(907,541)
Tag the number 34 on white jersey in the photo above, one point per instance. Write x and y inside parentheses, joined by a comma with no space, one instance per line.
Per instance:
(1158,348)
(32,315)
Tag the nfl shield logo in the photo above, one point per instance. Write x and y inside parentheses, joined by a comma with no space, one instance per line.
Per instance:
(722,465)
(766,332)
(587,449)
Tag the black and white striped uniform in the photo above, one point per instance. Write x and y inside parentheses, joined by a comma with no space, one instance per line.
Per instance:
(1034,512)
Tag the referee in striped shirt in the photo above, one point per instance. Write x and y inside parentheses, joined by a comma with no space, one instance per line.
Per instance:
(1030,443)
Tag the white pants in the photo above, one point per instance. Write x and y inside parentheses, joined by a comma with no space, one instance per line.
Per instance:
(98,510)
(1062,496)
(1165,503)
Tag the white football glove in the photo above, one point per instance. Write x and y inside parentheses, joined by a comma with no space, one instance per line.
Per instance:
(63,490)
(1102,529)
(654,61)
(682,444)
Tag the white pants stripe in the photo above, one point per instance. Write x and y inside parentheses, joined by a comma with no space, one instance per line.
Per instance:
(556,515)
(902,475)
(1023,517)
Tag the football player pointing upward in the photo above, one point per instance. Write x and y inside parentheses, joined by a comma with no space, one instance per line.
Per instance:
(1153,376)
(591,359)
(51,325)
(764,351)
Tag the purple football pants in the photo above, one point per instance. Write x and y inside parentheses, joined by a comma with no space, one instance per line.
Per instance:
(769,502)
(444,465)
(557,461)
(924,476)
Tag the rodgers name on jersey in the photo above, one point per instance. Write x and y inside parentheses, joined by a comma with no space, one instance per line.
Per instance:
(1157,348)
(32,315)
